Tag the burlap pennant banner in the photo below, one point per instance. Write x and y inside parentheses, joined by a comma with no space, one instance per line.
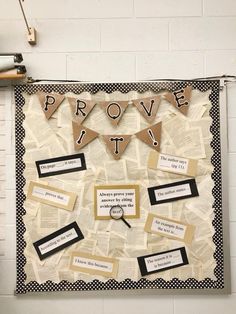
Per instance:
(50,102)
(151,136)
(114,110)
(180,99)
(82,135)
(148,107)
(80,108)
(116,144)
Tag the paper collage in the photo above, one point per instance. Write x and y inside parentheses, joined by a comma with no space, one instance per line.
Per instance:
(149,154)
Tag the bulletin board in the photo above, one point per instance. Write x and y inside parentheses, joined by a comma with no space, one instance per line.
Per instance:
(122,186)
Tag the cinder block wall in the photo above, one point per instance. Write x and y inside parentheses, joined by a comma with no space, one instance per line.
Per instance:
(110,40)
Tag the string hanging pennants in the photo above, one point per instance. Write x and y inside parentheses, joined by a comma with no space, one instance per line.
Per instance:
(114,110)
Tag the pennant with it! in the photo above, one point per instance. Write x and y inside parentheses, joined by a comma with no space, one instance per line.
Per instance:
(114,110)
(116,144)
(180,99)
(148,107)
(151,136)
(82,135)
(80,108)
(50,102)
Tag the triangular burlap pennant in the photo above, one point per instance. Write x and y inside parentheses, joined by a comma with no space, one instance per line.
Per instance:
(114,110)
(180,99)
(116,144)
(151,136)
(50,102)
(82,135)
(80,108)
(148,107)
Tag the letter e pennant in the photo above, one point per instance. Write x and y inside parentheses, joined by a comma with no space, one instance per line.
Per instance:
(114,110)
(80,108)
(50,102)
(82,135)
(148,107)
(116,144)
(151,136)
(180,99)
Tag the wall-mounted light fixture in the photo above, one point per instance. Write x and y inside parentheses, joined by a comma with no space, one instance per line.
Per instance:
(31,31)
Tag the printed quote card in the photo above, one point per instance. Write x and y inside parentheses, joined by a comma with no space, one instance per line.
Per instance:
(58,240)
(174,164)
(155,263)
(93,264)
(169,228)
(52,196)
(60,165)
(173,191)
(126,196)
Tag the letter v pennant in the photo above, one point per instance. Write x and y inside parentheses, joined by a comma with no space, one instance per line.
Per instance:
(82,135)
(148,107)
(116,144)
(50,102)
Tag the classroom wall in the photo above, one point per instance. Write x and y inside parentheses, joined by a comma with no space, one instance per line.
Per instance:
(110,40)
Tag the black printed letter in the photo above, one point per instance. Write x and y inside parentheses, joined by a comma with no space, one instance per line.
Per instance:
(117,140)
(149,112)
(79,108)
(115,105)
(49,101)
(178,98)
(80,139)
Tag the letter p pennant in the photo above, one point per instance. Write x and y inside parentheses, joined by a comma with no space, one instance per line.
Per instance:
(50,102)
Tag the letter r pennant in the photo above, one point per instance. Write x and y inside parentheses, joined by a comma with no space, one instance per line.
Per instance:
(80,108)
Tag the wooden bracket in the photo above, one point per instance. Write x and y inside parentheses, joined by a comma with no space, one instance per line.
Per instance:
(32,36)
